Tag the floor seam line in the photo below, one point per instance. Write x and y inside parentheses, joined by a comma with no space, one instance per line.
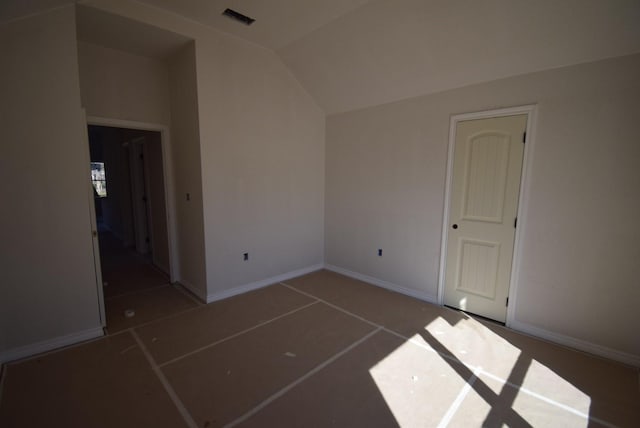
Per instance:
(144,324)
(426,347)
(336,307)
(458,361)
(386,329)
(191,423)
(240,333)
(301,379)
(551,401)
(457,402)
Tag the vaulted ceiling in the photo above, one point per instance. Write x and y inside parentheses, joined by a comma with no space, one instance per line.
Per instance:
(356,53)
(350,54)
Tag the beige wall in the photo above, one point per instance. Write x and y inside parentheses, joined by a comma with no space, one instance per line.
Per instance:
(120,85)
(262,145)
(44,183)
(262,157)
(185,149)
(124,86)
(579,272)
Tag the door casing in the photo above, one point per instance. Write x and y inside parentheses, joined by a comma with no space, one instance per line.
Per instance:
(530,111)
(167,162)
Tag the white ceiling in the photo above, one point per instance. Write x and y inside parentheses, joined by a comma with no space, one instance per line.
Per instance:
(278,22)
(355,53)
(351,54)
(391,50)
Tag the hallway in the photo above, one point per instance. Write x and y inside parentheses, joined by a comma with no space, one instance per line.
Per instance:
(132,282)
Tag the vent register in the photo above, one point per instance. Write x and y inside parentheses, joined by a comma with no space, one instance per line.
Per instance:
(237,16)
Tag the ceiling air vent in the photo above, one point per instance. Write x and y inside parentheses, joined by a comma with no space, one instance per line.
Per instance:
(238,16)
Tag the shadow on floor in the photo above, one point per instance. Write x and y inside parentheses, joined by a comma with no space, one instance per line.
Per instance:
(133,285)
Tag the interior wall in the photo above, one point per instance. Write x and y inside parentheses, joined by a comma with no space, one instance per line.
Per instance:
(157,200)
(124,86)
(48,294)
(262,157)
(119,85)
(262,145)
(579,260)
(187,174)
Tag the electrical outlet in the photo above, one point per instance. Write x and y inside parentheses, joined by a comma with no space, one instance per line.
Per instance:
(188,196)
(380,252)
(245,256)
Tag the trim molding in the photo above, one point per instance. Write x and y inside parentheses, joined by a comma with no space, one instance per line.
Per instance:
(212,297)
(525,328)
(51,344)
(383,284)
(523,199)
(579,344)
(169,185)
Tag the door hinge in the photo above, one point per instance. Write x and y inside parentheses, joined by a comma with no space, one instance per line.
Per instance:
(515,223)
(507,302)
(524,137)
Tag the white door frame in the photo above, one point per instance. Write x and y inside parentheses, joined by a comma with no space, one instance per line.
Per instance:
(94,225)
(530,111)
(167,170)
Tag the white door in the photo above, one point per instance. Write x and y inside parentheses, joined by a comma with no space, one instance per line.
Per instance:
(487,166)
(93,221)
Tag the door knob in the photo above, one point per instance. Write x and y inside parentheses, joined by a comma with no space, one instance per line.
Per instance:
(455,226)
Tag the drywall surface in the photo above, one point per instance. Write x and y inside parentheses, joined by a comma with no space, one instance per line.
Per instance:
(185,146)
(48,290)
(261,153)
(579,261)
(262,145)
(120,85)
(157,200)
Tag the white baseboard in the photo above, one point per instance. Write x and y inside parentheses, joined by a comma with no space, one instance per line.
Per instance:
(193,289)
(262,283)
(572,342)
(48,345)
(384,284)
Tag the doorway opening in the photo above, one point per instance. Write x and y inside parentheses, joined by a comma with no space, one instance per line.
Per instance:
(128,179)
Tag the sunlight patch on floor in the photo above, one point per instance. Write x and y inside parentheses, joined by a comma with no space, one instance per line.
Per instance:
(535,409)
(417,386)
(542,380)
(474,344)
(417,382)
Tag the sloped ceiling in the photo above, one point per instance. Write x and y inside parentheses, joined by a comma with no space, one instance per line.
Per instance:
(117,32)
(278,22)
(351,54)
